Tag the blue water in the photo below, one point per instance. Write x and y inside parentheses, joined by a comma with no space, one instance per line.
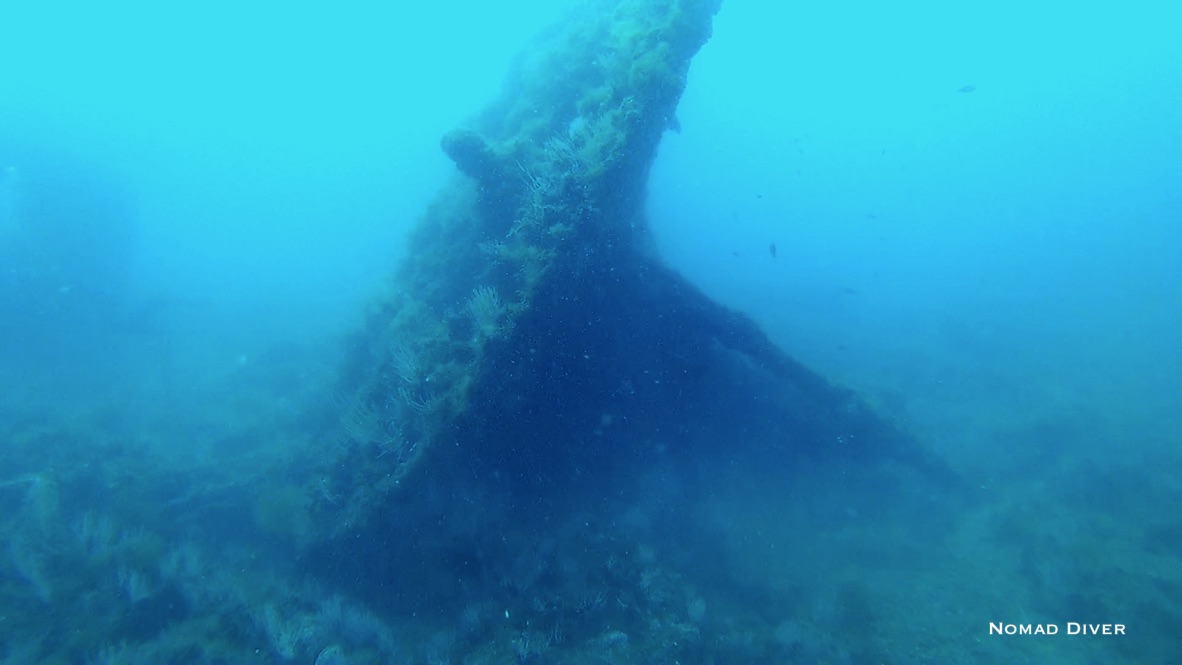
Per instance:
(977,225)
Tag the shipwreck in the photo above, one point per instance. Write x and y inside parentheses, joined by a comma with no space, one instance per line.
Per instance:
(534,356)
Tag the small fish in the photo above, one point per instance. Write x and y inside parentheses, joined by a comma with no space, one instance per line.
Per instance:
(968,88)
(772,248)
